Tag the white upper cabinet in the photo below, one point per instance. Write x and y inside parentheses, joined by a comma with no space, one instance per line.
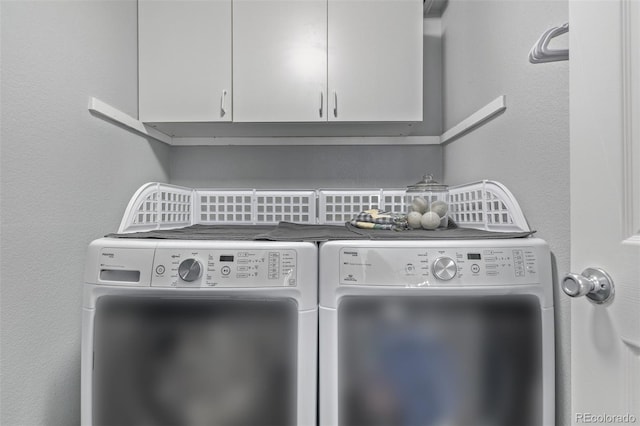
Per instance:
(375,60)
(290,61)
(280,60)
(184,54)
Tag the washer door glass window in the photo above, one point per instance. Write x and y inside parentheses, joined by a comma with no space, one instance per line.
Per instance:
(431,361)
(194,362)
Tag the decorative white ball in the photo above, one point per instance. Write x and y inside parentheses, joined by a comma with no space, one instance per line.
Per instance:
(414,220)
(419,204)
(430,220)
(440,207)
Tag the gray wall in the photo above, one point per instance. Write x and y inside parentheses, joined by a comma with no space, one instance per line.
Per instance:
(486,45)
(303,166)
(66,179)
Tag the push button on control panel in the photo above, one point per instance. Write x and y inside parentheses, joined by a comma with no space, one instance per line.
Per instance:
(274,265)
(518,263)
(225,270)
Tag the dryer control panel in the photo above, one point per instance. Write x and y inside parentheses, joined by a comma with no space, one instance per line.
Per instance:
(224,268)
(391,266)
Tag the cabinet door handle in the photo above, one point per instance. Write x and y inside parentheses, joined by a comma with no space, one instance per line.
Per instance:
(321,103)
(335,104)
(223,111)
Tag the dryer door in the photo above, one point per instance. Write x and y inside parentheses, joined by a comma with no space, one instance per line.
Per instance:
(435,360)
(194,362)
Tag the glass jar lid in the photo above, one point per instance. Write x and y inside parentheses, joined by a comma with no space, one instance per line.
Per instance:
(427,184)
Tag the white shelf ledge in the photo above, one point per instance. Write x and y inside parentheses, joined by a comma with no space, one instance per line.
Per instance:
(475,120)
(306,140)
(96,106)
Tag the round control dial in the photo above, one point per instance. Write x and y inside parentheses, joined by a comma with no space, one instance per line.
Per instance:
(444,268)
(190,270)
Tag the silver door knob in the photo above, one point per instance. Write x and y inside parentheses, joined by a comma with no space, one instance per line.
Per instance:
(594,283)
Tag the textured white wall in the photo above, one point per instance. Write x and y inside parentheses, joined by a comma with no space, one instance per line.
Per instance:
(65,179)
(486,46)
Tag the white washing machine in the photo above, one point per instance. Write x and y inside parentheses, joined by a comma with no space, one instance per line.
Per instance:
(439,332)
(185,332)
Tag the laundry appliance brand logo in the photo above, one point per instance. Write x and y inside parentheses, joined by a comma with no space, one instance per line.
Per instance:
(109,255)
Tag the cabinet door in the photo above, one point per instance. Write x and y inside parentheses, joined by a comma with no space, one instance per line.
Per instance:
(375,60)
(184,60)
(279,60)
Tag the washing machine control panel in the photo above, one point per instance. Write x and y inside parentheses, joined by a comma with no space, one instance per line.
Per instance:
(438,267)
(224,268)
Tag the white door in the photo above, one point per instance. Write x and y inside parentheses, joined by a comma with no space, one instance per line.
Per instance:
(184,51)
(605,208)
(279,60)
(375,60)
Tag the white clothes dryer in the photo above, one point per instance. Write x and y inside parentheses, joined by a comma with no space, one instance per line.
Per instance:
(199,332)
(436,332)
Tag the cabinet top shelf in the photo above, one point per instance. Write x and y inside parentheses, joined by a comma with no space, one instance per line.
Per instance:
(283,130)
(184,134)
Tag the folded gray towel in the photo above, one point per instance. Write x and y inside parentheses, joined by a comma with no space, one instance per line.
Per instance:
(287,231)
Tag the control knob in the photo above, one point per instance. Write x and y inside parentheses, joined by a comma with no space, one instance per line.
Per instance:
(444,268)
(190,270)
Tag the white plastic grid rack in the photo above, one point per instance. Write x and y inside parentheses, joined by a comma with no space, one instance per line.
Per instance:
(337,206)
(485,205)
(254,206)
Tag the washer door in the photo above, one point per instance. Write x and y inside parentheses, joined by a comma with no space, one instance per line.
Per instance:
(432,361)
(218,362)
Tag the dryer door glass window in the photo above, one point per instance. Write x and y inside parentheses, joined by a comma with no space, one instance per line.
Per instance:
(194,362)
(431,361)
